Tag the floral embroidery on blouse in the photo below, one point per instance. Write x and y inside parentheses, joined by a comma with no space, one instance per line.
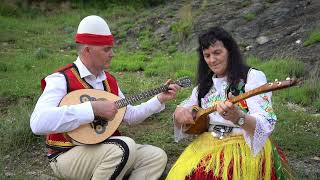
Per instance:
(212,98)
(266,105)
(210,101)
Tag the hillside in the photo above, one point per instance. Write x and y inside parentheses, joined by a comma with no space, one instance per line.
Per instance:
(37,37)
(262,28)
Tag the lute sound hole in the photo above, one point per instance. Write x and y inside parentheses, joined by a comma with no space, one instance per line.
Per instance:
(98,124)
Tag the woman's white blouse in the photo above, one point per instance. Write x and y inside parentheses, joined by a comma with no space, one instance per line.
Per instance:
(259,107)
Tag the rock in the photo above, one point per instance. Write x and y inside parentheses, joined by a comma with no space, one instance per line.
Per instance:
(262,40)
(8,174)
(162,31)
(32,173)
(298,41)
(248,48)
(6,157)
(296,107)
(41,53)
(316,158)
(316,115)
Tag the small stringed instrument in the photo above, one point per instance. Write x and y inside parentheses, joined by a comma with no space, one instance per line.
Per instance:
(200,116)
(100,129)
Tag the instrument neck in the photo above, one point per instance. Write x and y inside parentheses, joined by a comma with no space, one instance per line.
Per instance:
(209,110)
(135,98)
(238,98)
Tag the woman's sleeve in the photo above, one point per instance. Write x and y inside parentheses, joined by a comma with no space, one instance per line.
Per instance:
(187,103)
(260,107)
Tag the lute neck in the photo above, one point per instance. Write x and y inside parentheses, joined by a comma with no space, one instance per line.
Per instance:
(238,98)
(248,94)
(137,97)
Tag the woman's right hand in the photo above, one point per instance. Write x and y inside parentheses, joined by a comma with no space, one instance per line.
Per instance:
(183,116)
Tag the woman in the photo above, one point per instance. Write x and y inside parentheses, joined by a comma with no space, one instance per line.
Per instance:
(237,144)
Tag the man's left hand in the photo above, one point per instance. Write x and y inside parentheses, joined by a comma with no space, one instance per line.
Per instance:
(170,94)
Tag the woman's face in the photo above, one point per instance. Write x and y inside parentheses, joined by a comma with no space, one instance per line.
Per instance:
(216,56)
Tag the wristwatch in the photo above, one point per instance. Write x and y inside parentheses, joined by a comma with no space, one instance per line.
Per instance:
(241,120)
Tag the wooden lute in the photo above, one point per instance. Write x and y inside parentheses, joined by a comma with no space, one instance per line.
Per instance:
(200,116)
(100,129)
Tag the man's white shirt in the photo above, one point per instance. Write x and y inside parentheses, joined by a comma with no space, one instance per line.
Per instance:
(47,117)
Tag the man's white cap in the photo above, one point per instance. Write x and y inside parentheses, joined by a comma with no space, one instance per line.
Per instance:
(94,30)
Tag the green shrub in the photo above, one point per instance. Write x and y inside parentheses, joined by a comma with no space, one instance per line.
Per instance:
(172,49)
(146,41)
(316,104)
(245,3)
(3,67)
(129,61)
(314,37)
(183,27)
(10,9)
(249,16)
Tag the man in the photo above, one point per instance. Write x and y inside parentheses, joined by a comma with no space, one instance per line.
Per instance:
(116,157)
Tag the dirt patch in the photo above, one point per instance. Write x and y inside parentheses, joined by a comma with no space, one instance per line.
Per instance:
(307,167)
(29,163)
(4,105)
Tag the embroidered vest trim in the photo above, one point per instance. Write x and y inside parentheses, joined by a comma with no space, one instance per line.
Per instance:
(237,90)
(59,141)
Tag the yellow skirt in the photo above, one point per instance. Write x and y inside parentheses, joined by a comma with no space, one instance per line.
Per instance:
(218,156)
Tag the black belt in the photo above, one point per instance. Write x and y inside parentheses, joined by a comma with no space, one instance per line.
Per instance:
(52,157)
(221,130)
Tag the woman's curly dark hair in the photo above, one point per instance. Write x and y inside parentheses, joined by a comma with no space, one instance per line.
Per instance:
(236,68)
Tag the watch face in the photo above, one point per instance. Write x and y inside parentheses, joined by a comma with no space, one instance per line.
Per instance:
(241,121)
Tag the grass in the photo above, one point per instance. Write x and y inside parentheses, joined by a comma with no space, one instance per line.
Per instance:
(34,46)
(249,16)
(306,93)
(296,131)
(245,3)
(182,28)
(15,132)
(313,37)
(278,68)
(146,41)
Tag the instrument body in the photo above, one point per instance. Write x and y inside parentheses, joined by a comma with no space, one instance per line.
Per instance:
(201,119)
(200,116)
(100,129)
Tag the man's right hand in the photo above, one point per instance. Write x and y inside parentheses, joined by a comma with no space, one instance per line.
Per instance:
(104,109)
(183,116)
